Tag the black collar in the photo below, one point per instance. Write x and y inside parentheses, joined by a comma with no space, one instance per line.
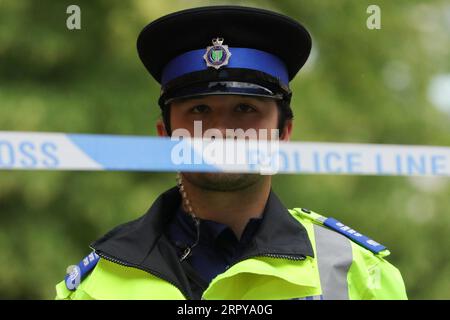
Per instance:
(142,243)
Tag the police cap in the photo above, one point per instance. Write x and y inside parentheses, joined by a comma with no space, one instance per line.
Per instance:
(224,50)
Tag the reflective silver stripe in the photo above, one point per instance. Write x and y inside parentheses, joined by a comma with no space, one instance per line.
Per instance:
(334,258)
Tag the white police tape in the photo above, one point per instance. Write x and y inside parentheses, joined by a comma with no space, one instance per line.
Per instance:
(58,151)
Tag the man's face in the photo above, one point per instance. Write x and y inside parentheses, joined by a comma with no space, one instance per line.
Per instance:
(224,112)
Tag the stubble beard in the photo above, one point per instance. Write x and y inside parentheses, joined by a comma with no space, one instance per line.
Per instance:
(222,182)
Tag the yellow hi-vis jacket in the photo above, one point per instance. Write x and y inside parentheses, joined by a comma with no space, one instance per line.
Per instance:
(296,254)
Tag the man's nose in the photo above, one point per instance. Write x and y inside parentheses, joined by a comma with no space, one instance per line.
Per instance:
(220,123)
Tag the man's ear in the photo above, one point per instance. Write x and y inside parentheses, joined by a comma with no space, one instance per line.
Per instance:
(161,128)
(287,131)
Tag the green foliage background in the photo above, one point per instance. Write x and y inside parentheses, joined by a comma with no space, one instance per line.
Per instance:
(91,81)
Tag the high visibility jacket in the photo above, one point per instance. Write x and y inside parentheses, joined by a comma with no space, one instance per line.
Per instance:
(295,255)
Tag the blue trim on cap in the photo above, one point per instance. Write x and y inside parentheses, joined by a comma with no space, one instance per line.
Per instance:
(246,58)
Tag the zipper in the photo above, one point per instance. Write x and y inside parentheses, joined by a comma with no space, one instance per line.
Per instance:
(270,255)
(284,256)
(130,265)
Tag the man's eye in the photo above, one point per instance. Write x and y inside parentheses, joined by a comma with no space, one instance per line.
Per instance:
(245,108)
(202,108)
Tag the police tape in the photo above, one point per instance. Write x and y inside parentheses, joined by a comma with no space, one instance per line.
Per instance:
(60,151)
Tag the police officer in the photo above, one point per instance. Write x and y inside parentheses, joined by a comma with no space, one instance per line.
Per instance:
(228,236)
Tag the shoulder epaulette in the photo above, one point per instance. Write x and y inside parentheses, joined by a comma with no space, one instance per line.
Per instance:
(346,231)
(76,273)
